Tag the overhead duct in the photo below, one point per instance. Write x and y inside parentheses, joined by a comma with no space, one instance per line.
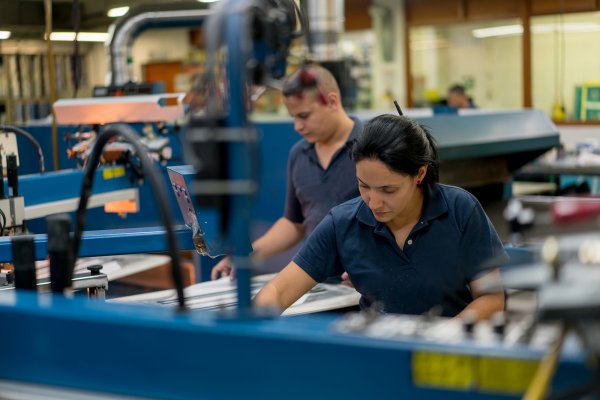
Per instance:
(326,22)
(127,28)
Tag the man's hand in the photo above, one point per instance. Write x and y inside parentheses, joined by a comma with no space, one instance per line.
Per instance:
(224,268)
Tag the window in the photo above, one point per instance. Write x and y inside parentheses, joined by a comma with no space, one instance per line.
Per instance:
(488,63)
(565,56)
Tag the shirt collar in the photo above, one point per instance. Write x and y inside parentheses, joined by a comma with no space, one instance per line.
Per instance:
(435,206)
(435,203)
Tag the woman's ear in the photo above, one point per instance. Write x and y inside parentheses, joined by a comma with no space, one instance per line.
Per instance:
(422,173)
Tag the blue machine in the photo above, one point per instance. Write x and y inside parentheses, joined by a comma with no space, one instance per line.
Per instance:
(155,353)
(158,352)
(41,196)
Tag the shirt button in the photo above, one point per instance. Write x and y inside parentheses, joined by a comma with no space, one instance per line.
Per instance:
(409,241)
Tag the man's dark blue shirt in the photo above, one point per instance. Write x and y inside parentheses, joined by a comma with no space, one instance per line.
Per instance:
(311,190)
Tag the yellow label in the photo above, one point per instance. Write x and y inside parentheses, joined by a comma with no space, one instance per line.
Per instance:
(443,370)
(506,375)
(114,172)
(472,372)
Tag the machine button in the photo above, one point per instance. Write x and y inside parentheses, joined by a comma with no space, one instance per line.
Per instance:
(95,269)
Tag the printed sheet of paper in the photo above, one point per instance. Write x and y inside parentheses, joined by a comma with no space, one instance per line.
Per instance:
(221,294)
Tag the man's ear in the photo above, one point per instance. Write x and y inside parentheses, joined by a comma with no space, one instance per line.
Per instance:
(333,100)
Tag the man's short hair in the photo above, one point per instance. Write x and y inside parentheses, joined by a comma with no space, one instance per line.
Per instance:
(458,89)
(325,81)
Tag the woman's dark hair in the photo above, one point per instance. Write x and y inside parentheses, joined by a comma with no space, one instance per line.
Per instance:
(400,143)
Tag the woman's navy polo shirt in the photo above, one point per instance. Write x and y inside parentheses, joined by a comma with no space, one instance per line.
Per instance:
(451,245)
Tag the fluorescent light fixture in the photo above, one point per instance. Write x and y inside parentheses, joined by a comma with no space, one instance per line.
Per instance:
(510,30)
(567,27)
(82,37)
(4,34)
(207,1)
(504,30)
(117,11)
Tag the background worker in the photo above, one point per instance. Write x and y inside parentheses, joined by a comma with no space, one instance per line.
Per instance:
(320,173)
(457,97)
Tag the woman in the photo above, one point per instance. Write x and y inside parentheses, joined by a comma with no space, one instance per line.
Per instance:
(407,243)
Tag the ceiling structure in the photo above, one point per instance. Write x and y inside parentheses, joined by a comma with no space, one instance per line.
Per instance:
(26,18)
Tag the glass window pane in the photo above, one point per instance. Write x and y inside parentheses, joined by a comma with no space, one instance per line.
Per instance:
(488,63)
(565,55)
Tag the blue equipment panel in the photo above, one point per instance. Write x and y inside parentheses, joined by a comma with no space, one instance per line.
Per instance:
(66,184)
(111,241)
(157,353)
(492,134)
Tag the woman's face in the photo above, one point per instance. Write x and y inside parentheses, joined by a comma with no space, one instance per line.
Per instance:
(387,193)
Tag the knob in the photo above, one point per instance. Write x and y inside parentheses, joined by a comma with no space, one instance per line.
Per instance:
(94,269)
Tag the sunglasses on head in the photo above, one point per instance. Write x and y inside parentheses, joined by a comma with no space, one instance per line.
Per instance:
(302,81)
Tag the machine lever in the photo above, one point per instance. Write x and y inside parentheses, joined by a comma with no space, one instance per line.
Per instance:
(59,252)
(23,251)
(12,175)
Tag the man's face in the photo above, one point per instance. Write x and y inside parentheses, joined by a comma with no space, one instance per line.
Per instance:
(457,100)
(312,119)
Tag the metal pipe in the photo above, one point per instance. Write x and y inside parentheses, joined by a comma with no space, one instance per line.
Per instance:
(122,32)
(51,81)
(326,22)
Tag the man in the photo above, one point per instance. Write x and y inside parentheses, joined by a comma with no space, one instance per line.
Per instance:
(457,97)
(320,173)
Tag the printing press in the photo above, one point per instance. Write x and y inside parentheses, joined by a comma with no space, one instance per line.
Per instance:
(178,344)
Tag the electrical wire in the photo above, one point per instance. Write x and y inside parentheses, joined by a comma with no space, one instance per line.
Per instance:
(557,98)
(559,57)
(36,144)
(208,84)
(303,17)
(129,135)
(561,86)
(3,222)
(76,60)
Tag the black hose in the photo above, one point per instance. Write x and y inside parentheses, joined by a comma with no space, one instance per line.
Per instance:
(3,222)
(76,60)
(14,129)
(156,184)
